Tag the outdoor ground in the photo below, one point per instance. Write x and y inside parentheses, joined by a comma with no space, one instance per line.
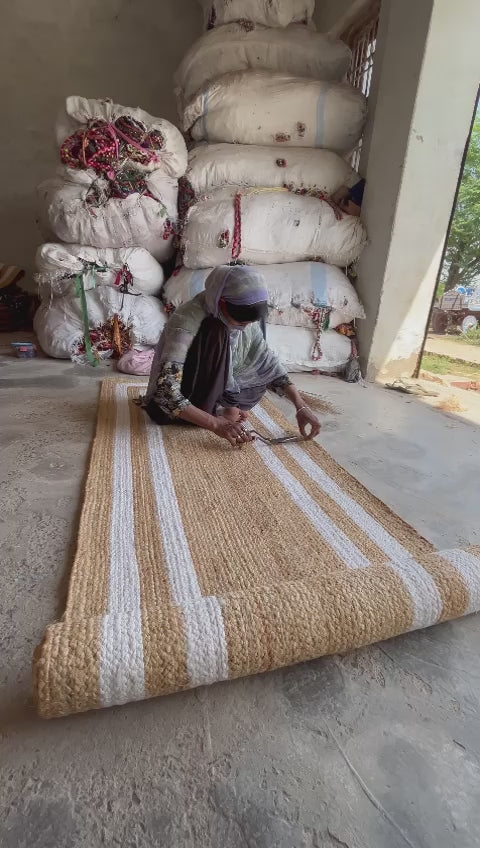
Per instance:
(455,347)
(377,749)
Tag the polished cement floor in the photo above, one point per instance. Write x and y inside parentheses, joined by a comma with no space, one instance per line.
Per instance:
(377,749)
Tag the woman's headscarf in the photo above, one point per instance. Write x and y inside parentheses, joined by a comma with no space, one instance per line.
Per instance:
(238,284)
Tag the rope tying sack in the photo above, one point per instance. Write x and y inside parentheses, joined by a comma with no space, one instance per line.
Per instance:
(319,316)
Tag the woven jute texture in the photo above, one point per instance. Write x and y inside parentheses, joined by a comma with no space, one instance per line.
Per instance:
(197,563)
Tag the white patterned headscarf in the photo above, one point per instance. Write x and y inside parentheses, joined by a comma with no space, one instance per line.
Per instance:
(239,284)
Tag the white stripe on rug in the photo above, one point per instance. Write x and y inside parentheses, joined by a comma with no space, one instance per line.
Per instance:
(207,655)
(122,671)
(426,599)
(469,567)
(327,528)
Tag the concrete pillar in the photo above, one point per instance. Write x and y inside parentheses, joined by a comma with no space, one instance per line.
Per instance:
(425,80)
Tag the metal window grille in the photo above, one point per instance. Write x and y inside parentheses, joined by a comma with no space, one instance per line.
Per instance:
(362,43)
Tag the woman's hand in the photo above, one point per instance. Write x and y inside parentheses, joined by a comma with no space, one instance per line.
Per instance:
(233,431)
(305,418)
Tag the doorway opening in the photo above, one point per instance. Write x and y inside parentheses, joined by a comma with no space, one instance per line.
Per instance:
(451,350)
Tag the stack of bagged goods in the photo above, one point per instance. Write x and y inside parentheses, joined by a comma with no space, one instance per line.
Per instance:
(98,303)
(271,122)
(114,204)
(118,183)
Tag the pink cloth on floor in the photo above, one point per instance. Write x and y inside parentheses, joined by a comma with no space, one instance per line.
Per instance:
(138,362)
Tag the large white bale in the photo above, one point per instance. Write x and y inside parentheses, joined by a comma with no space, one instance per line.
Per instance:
(260,107)
(295,50)
(134,221)
(59,324)
(295,347)
(80,111)
(295,291)
(264,227)
(59,264)
(271,13)
(216,165)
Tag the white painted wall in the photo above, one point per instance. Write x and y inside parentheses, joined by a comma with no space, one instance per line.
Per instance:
(426,74)
(123,49)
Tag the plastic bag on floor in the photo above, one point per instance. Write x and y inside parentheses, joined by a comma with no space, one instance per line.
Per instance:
(76,207)
(296,291)
(130,268)
(295,50)
(60,327)
(297,349)
(171,158)
(260,107)
(213,166)
(271,13)
(264,227)
(137,362)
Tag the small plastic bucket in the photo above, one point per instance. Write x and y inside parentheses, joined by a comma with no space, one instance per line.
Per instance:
(24,350)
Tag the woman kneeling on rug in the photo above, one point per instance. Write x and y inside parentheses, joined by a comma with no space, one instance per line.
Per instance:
(212,363)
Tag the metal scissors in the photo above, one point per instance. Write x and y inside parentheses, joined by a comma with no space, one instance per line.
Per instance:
(280,440)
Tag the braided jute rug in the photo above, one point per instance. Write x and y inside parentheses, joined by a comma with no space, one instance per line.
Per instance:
(197,563)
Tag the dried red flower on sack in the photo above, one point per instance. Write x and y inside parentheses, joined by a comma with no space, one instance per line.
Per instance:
(112,336)
(223,239)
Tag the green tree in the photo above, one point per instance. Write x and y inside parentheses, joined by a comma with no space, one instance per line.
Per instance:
(462,259)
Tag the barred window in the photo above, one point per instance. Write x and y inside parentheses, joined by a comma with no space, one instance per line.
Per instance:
(361,37)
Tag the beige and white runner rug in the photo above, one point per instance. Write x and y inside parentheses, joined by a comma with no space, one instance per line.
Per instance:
(197,563)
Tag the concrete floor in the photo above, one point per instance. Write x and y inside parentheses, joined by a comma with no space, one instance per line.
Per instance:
(378,749)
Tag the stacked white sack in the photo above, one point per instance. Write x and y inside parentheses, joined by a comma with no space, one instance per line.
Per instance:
(78,206)
(295,289)
(75,208)
(261,107)
(297,292)
(213,166)
(294,50)
(116,282)
(79,113)
(271,13)
(267,226)
(58,265)
(116,200)
(293,346)
(59,325)
(272,120)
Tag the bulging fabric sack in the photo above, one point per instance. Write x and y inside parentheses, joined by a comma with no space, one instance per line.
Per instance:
(72,209)
(58,266)
(80,111)
(59,325)
(295,348)
(296,290)
(271,13)
(263,227)
(260,107)
(295,50)
(216,165)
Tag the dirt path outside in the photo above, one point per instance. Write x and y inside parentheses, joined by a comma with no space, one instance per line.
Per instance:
(445,346)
